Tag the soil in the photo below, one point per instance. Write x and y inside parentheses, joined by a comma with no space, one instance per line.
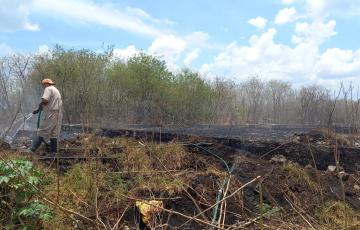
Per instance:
(4,145)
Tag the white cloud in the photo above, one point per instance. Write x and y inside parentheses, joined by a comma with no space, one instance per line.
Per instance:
(336,63)
(137,12)
(316,32)
(107,15)
(43,50)
(190,57)
(321,10)
(302,64)
(125,53)
(168,46)
(263,56)
(14,16)
(287,2)
(258,22)
(5,49)
(176,49)
(316,9)
(197,39)
(286,15)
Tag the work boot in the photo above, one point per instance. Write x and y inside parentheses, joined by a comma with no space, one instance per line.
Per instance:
(53,145)
(36,142)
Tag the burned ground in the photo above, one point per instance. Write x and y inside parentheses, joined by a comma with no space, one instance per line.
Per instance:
(118,167)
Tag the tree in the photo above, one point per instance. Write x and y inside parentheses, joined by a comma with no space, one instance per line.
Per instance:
(278,94)
(253,88)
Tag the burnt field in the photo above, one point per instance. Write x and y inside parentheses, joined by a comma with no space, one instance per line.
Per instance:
(274,133)
(241,132)
(269,178)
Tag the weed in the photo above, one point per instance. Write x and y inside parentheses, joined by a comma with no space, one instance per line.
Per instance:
(301,176)
(19,182)
(270,211)
(134,159)
(169,156)
(333,216)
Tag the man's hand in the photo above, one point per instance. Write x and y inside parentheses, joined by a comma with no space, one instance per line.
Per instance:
(38,110)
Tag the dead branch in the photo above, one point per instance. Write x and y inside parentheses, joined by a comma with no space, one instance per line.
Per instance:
(116,225)
(292,206)
(225,198)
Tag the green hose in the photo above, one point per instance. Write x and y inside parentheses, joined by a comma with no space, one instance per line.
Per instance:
(38,121)
(221,190)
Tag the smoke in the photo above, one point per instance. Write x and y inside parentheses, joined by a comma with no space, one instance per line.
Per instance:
(22,122)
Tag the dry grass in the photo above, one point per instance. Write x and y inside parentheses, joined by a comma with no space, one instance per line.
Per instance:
(78,186)
(301,176)
(148,170)
(332,216)
(333,137)
(169,156)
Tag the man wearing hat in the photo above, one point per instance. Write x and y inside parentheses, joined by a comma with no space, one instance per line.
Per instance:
(51,108)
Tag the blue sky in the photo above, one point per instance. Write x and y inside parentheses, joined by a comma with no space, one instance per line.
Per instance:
(300,41)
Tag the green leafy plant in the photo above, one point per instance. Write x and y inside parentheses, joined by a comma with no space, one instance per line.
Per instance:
(36,209)
(19,182)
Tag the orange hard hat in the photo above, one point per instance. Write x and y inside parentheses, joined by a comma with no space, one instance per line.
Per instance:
(48,81)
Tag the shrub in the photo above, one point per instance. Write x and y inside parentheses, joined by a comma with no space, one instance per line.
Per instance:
(19,182)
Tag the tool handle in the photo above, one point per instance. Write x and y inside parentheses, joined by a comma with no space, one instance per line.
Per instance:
(38,121)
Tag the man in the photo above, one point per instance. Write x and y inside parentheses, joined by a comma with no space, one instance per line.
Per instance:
(51,108)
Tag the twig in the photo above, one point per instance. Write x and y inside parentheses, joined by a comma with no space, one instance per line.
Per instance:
(73,157)
(267,153)
(232,194)
(194,218)
(118,221)
(67,210)
(196,205)
(74,194)
(299,213)
(244,224)
(185,216)
(337,162)
(96,208)
(317,172)
(261,206)
(223,206)
(150,172)
(151,198)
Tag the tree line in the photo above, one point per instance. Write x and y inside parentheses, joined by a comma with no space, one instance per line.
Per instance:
(98,88)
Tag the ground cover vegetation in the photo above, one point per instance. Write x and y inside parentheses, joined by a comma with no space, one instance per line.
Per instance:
(136,183)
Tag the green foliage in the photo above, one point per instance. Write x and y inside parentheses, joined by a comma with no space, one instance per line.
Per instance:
(191,98)
(269,211)
(78,74)
(36,209)
(138,90)
(117,182)
(78,178)
(19,182)
(19,175)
